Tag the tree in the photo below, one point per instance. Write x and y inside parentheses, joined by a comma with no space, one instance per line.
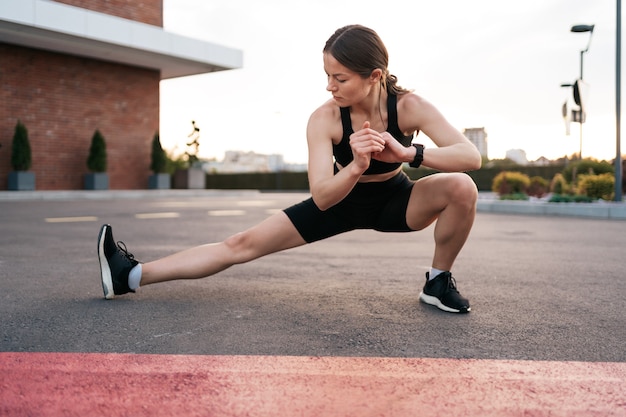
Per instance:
(97,159)
(586,166)
(158,163)
(21,154)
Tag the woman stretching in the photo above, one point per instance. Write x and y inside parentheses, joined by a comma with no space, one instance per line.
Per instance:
(357,141)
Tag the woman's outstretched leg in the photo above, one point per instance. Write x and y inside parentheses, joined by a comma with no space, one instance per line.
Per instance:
(274,234)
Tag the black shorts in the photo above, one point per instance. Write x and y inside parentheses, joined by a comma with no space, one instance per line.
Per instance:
(372,205)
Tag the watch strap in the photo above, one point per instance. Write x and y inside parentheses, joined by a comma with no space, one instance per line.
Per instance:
(419,156)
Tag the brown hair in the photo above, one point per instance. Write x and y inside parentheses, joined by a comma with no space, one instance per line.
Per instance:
(361,50)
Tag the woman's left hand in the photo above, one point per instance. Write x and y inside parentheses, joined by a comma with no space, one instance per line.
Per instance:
(393,151)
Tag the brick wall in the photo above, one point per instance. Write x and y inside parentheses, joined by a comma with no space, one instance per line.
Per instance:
(62,100)
(146,11)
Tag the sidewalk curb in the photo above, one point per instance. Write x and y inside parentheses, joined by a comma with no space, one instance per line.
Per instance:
(70,195)
(485,204)
(605,210)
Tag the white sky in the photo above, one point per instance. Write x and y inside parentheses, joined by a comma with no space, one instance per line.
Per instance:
(496,64)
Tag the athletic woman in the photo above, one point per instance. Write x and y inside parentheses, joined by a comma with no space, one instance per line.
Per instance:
(358,141)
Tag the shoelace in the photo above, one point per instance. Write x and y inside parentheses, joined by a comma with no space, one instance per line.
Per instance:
(452,284)
(122,248)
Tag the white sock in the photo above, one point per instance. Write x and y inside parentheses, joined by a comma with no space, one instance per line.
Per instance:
(134,277)
(434,272)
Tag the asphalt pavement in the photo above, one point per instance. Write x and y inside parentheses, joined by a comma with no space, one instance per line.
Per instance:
(541,287)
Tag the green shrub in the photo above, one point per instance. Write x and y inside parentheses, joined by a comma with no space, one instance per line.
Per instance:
(568,198)
(510,182)
(158,157)
(97,159)
(177,163)
(538,187)
(559,185)
(587,166)
(20,152)
(597,186)
(514,196)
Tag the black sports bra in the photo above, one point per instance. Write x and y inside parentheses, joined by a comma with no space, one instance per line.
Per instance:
(343,153)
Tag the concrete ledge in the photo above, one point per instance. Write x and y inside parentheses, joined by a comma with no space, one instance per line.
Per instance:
(605,210)
(489,204)
(77,31)
(114,194)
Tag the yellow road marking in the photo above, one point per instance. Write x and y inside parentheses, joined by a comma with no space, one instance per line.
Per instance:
(164,215)
(255,203)
(71,219)
(227,212)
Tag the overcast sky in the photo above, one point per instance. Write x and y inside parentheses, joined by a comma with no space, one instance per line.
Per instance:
(495,64)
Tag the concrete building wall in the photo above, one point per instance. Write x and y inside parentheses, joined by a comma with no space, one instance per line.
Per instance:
(62,100)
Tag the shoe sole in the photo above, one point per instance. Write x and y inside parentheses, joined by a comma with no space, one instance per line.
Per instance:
(434,301)
(105,271)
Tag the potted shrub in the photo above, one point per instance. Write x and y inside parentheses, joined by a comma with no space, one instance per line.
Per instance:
(97,179)
(20,179)
(160,179)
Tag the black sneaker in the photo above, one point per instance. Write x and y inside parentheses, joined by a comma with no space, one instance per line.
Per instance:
(115,264)
(441,292)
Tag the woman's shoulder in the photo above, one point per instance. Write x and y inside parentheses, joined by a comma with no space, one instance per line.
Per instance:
(414,106)
(326,113)
(328,108)
(325,121)
(411,101)
(413,111)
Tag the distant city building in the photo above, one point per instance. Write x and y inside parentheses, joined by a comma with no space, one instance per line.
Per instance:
(240,161)
(541,161)
(478,136)
(518,156)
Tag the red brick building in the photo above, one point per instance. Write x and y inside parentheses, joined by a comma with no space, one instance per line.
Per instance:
(69,67)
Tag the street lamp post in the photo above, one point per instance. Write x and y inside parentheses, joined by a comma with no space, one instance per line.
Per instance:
(618,110)
(582,29)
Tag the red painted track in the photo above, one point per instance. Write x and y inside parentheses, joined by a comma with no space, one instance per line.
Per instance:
(54,384)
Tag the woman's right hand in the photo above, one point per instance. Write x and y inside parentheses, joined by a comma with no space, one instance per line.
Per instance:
(363,143)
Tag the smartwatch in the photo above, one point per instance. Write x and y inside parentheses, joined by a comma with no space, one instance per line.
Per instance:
(419,156)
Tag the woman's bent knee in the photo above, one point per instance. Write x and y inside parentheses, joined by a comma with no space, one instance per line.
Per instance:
(464,187)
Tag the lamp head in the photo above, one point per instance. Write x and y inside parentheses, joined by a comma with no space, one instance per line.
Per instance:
(582,28)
